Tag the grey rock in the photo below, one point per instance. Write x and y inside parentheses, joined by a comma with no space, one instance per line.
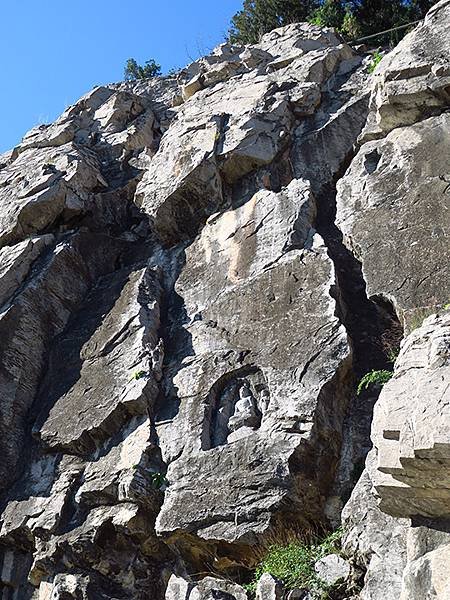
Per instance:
(406,436)
(269,588)
(411,82)
(178,589)
(332,569)
(427,576)
(381,203)
(258,251)
(217,589)
(377,541)
(411,428)
(175,376)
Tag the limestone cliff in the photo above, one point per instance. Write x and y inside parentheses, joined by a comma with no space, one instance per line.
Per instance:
(195,273)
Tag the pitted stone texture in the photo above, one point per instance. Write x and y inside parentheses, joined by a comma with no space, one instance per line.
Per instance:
(248,409)
(393,208)
(411,427)
(412,82)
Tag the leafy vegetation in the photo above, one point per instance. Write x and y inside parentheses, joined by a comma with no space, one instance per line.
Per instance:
(157,480)
(293,563)
(134,71)
(373,378)
(375,61)
(138,375)
(260,16)
(352,18)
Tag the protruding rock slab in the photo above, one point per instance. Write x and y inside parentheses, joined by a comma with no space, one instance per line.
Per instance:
(412,82)
(411,428)
(406,474)
(394,211)
(108,371)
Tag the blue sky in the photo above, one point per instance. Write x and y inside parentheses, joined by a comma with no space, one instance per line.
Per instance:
(53,51)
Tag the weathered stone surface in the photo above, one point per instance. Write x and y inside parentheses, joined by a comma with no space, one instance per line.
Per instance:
(376,540)
(393,208)
(32,319)
(219,589)
(115,374)
(229,406)
(406,473)
(16,261)
(411,429)
(234,126)
(427,576)
(181,326)
(269,588)
(412,82)
(332,569)
(178,589)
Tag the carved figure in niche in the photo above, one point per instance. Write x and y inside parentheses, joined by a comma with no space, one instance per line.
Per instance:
(245,413)
(238,407)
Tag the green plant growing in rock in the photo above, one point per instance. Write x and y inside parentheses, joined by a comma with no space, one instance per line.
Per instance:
(138,375)
(157,480)
(378,378)
(293,563)
(133,71)
(393,354)
(376,59)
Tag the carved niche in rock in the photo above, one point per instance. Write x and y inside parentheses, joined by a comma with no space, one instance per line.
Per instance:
(237,404)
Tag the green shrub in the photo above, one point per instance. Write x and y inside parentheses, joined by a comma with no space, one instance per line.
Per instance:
(373,378)
(157,480)
(376,59)
(293,563)
(138,375)
(134,71)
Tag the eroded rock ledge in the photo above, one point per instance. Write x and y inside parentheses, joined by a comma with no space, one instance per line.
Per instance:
(183,325)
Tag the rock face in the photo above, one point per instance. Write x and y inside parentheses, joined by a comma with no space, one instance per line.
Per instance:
(392,207)
(182,327)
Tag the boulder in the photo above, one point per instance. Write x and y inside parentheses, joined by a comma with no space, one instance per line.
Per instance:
(332,569)
(269,588)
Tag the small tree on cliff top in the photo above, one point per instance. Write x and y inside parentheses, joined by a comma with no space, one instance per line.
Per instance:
(134,71)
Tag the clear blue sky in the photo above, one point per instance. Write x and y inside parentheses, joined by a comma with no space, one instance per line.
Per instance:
(54,51)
